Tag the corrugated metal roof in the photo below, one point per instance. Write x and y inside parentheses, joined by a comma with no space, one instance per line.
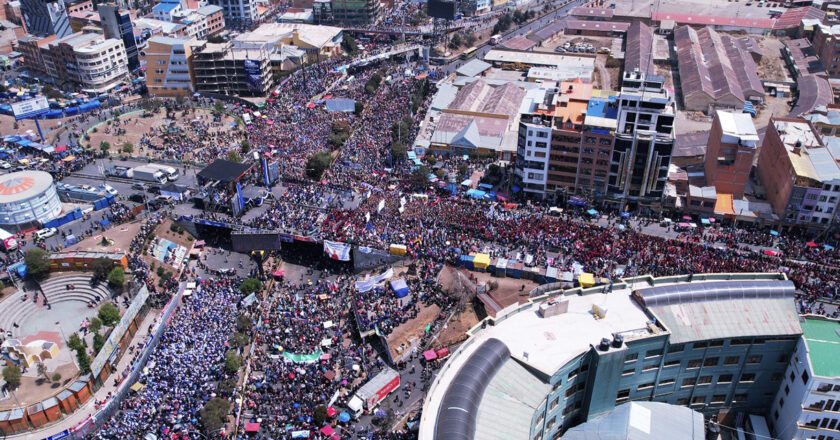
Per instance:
(604,26)
(639,49)
(713,20)
(593,12)
(793,17)
(814,92)
(824,164)
(724,309)
(473,67)
(509,403)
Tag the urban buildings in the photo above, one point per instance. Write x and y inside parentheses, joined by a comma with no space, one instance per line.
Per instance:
(644,139)
(228,69)
(168,66)
(807,405)
(354,12)
(90,61)
(596,144)
(44,17)
(730,151)
(317,42)
(116,23)
(716,71)
(237,11)
(565,358)
(27,199)
(826,41)
(800,176)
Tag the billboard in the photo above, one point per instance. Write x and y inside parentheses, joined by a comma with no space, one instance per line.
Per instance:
(441,9)
(30,108)
(253,79)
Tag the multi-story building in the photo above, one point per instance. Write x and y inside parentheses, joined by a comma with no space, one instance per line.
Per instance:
(800,176)
(807,405)
(322,12)
(168,66)
(596,144)
(355,12)
(45,17)
(35,50)
(644,139)
(224,68)
(92,62)
(533,146)
(78,6)
(719,344)
(237,11)
(730,151)
(166,10)
(826,42)
(826,120)
(116,23)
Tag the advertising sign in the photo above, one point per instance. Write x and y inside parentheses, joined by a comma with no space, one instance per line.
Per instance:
(253,79)
(30,108)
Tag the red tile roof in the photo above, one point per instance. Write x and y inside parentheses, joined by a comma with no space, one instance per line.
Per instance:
(712,20)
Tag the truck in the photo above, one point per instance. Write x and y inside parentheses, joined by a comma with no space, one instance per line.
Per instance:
(8,241)
(171,173)
(374,391)
(144,173)
(148,173)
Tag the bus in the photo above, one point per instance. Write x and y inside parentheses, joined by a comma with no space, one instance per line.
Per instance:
(9,241)
(469,53)
(495,39)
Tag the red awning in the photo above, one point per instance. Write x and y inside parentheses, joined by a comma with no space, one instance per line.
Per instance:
(331,411)
(430,355)
(60,149)
(252,427)
(442,352)
(771,253)
(327,430)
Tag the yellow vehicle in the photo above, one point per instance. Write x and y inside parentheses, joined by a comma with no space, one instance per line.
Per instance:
(469,53)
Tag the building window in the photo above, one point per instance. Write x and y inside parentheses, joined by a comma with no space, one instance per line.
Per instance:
(748,377)
(718,343)
(623,394)
(704,380)
(787,390)
(666,382)
(782,402)
(689,382)
(700,345)
(650,367)
(754,359)
(694,363)
(629,372)
(731,360)
(739,398)
(805,378)
(698,400)
(653,353)
(676,348)
(682,401)
(725,378)
(645,386)
(672,363)
(631,357)
(711,362)
(719,398)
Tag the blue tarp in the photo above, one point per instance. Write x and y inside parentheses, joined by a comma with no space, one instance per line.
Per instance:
(71,111)
(341,105)
(400,288)
(705,221)
(105,222)
(21,269)
(485,186)
(23,142)
(476,193)
(625,215)
(70,240)
(829,247)
(774,233)
(577,201)
(592,212)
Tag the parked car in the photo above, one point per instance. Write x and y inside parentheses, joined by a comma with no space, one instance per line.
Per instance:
(154,189)
(559,49)
(165,199)
(45,233)
(138,186)
(136,198)
(4,165)
(110,190)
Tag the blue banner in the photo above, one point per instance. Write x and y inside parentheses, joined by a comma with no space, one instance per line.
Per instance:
(265,173)
(239,194)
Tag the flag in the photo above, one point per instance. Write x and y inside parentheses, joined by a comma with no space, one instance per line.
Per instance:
(381,206)
(336,250)
(428,327)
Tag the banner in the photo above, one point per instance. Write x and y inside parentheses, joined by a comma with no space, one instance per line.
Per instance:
(312,357)
(381,206)
(337,251)
(119,331)
(239,195)
(377,281)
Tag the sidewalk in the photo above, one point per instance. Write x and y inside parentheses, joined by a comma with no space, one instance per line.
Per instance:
(69,421)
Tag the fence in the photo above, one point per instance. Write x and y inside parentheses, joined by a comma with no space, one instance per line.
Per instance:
(94,423)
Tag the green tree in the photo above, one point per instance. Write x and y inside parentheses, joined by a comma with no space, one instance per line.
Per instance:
(101,268)
(98,342)
(249,286)
(83,360)
(440,174)
(397,152)
(373,83)
(95,324)
(37,262)
(215,39)
(348,43)
(75,342)
(317,164)
(431,159)
(320,415)
(234,156)
(232,361)
(56,377)
(463,170)
(42,370)
(420,177)
(51,93)
(470,39)
(214,415)
(244,146)
(243,324)
(455,42)
(219,107)
(104,146)
(128,148)
(238,340)
(11,374)
(116,277)
(109,314)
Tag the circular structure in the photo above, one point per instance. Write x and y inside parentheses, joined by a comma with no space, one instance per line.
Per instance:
(28,198)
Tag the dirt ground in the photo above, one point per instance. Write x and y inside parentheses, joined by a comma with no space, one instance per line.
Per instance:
(456,329)
(410,329)
(119,238)
(772,107)
(47,125)
(135,126)
(510,289)
(186,240)
(36,389)
(772,66)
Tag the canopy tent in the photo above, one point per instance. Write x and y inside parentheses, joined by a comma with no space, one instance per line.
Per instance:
(327,430)
(344,417)
(592,212)
(430,355)
(252,427)
(828,247)
(586,279)
(400,288)
(811,244)
(442,352)
(137,386)
(774,232)
(481,261)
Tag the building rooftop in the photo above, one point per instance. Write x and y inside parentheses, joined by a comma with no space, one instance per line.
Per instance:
(642,421)
(814,92)
(549,31)
(822,337)
(518,42)
(317,36)
(564,62)
(792,17)
(602,112)
(593,12)
(22,185)
(738,125)
(603,26)
(508,354)
(638,53)
(714,20)
(165,7)
(473,67)
(209,9)
(80,40)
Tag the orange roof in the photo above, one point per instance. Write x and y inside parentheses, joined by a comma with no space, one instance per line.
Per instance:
(574,110)
(723,205)
(576,90)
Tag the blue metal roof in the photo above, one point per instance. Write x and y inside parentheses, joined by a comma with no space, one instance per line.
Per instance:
(165,7)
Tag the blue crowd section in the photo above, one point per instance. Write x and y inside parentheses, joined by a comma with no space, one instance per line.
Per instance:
(77,213)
